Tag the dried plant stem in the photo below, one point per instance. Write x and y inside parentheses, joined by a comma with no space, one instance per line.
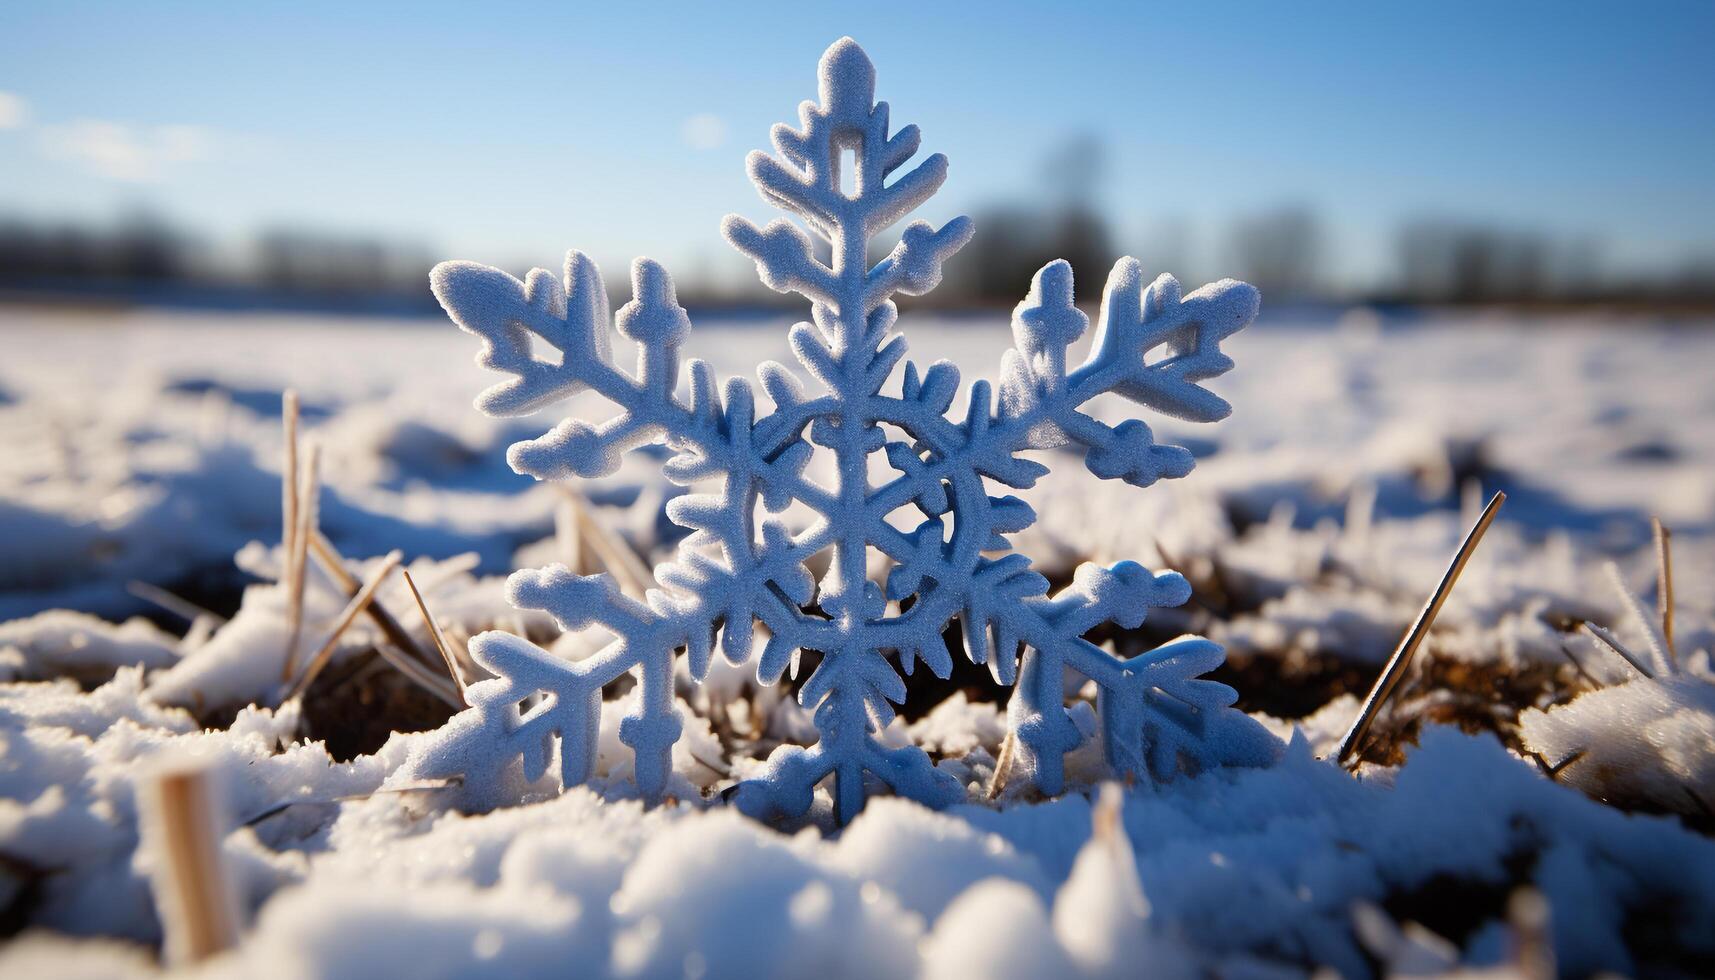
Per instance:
(289,478)
(569,536)
(1660,662)
(1002,766)
(1555,770)
(412,662)
(1396,667)
(333,563)
(439,638)
(1527,913)
(427,786)
(421,676)
(177,605)
(616,555)
(720,771)
(1105,822)
(352,610)
(448,570)
(458,644)
(1612,642)
(384,658)
(289,491)
(1664,581)
(1566,652)
(309,491)
(192,889)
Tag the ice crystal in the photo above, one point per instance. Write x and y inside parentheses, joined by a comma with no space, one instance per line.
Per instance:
(740,567)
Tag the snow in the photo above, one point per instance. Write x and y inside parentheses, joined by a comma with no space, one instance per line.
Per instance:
(61,643)
(1215,872)
(892,847)
(995,928)
(1647,742)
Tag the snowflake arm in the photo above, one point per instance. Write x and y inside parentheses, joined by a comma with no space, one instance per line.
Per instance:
(567,696)
(1053,629)
(507,314)
(644,642)
(712,436)
(805,179)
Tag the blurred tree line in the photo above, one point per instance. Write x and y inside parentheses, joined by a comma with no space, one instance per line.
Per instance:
(1014,240)
(139,247)
(1283,251)
(143,255)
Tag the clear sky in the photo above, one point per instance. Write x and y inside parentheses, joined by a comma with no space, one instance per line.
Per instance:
(506,133)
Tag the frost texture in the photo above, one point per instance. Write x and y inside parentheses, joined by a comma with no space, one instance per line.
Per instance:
(739,568)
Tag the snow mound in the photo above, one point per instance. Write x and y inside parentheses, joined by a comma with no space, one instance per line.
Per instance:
(59,643)
(1649,742)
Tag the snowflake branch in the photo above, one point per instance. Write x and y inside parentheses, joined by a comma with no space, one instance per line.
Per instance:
(784,258)
(505,313)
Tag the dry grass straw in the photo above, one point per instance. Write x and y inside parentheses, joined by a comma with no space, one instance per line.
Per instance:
(289,515)
(568,536)
(1664,581)
(428,680)
(289,474)
(309,494)
(1397,665)
(1612,642)
(192,888)
(1661,661)
(616,555)
(427,786)
(1661,643)
(439,638)
(400,650)
(333,563)
(353,609)
(179,606)
(1002,767)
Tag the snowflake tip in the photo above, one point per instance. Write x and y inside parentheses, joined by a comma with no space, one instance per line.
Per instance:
(654,316)
(777,654)
(571,448)
(847,76)
(1047,318)
(567,596)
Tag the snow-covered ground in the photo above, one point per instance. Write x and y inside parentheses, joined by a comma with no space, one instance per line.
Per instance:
(145,448)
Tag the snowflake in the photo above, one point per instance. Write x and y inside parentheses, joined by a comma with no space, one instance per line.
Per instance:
(740,567)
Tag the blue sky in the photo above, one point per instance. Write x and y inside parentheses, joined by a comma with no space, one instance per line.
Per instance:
(507,133)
